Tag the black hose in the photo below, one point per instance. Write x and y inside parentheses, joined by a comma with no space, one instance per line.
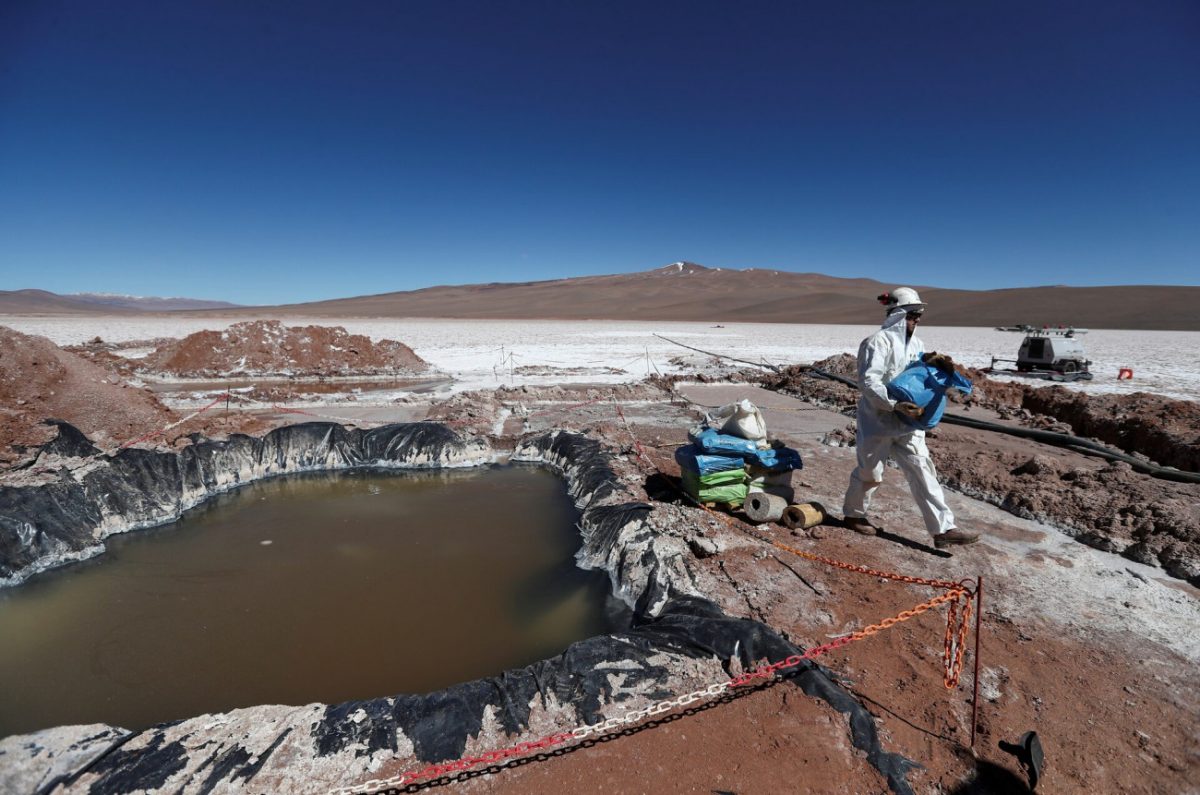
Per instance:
(819,373)
(772,367)
(1078,444)
(1066,440)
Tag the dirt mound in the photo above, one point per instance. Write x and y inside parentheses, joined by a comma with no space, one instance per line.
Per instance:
(39,380)
(268,348)
(988,392)
(800,381)
(101,353)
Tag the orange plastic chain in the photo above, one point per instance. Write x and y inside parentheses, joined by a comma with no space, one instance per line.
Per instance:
(948,584)
(958,619)
(953,659)
(958,623)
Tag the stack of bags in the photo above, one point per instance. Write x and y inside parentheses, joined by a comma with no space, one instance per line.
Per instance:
(728,464)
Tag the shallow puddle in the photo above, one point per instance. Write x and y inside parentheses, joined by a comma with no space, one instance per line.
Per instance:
(315,588)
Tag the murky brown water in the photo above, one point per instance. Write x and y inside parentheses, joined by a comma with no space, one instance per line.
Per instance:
(317,588)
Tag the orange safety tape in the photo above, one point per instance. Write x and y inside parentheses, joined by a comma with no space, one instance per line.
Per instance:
(957,618)
(952,659)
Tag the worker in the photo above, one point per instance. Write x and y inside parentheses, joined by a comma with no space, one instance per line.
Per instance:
(882,433)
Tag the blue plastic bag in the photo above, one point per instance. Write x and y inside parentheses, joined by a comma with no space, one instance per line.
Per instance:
(712,442)
(775,459)
(694,459)
(926,386)
(778,459)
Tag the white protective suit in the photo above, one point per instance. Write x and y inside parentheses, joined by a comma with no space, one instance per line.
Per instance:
(882,434)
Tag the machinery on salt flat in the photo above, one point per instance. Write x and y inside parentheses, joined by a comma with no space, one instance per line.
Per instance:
(1055,354)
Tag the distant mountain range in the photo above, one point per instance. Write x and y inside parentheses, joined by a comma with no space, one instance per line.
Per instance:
(148,303)
(43,302)
(686,291)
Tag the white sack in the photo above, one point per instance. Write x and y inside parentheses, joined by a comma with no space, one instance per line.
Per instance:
(742,419)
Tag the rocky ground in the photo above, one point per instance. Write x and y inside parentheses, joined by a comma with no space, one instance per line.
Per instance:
(1093,651)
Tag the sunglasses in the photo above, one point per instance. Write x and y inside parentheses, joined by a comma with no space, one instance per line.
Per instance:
(914,315)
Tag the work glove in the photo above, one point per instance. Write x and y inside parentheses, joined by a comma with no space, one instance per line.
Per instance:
(939,360)
(909,409)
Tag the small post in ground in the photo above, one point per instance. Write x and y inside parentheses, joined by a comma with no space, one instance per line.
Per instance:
(978,621)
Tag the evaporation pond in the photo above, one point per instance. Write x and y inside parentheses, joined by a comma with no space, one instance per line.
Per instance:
(327,588)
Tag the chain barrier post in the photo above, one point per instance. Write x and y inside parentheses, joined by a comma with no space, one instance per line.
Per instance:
(978,624)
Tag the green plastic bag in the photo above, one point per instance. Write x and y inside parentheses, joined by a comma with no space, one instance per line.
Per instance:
(717,486)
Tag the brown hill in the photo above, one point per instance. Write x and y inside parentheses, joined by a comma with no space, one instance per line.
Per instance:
(684,291)
(148,303)
(43,302)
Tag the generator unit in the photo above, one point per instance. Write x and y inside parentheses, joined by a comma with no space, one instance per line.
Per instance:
(1053,353)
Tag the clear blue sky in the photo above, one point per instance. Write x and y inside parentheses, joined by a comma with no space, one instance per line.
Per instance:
(294,150)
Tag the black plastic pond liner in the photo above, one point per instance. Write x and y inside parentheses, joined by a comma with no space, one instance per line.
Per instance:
(604,523)
(440,724)
(591,474)
(69,443)
(44,525)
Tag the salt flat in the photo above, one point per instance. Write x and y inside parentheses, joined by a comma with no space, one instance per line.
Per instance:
(490,353)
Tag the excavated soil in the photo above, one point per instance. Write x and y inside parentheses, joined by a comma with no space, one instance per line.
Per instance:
(800,381)
(267,347)
(103,354)
(1162,429)
(39,381)
(1157,428)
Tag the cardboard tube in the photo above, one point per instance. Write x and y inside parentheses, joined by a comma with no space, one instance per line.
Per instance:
(763,507)
(803,516)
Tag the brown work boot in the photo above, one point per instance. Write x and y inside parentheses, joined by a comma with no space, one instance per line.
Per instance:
(861,526)
(955,537)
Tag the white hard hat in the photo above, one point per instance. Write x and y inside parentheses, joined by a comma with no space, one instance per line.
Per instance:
(905,298)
